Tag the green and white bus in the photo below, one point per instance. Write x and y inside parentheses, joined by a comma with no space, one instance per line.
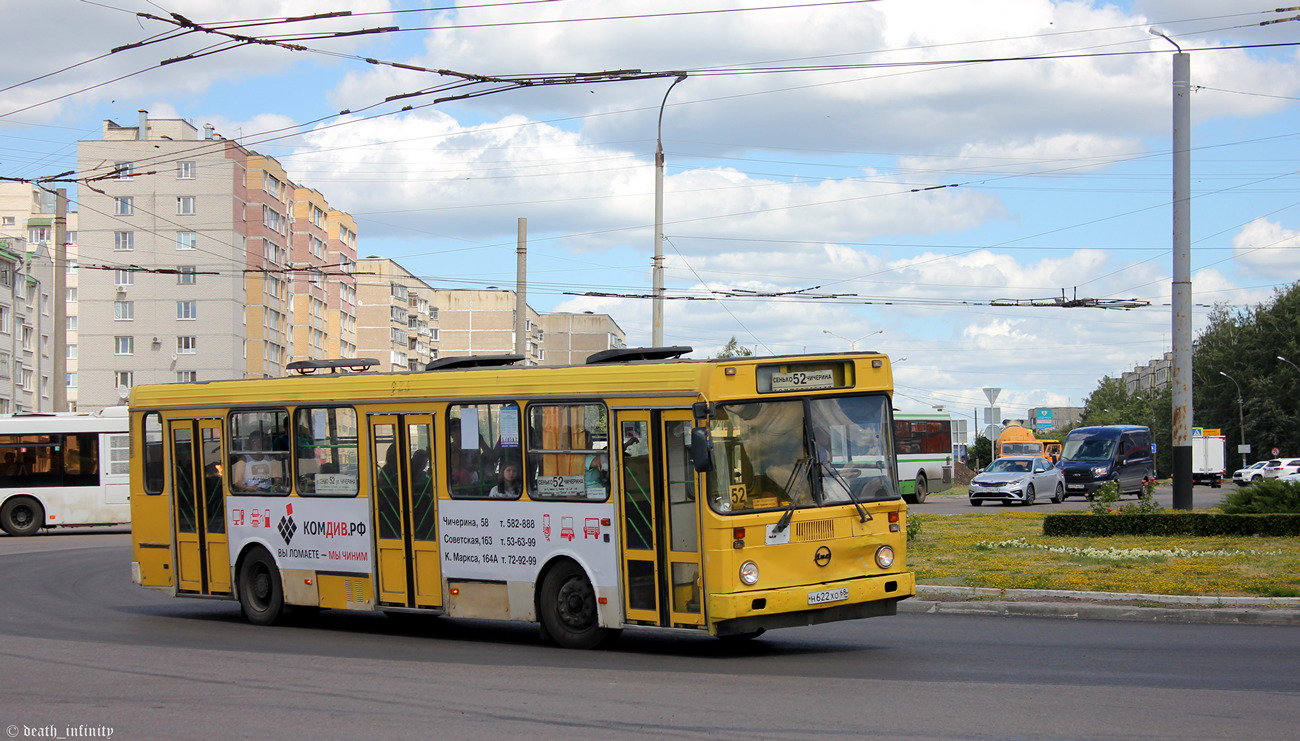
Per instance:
(923,446)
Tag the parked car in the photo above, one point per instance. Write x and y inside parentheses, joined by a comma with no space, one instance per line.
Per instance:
(1017,478)
(1279,467)
(1251,474)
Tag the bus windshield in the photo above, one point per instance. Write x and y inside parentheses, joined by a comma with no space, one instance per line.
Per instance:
(1088,449)
(810,453)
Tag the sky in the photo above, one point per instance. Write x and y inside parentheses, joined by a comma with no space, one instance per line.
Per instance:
(903,176)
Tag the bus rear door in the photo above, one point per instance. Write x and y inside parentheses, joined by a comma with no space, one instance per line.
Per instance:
(198,506)
(405,511)
(660,516)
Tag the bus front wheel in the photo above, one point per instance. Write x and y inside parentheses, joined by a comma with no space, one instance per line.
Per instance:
(21,516)
(261,595)
(567,608)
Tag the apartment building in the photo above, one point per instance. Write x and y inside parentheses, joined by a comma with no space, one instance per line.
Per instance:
(31,353)
(570,338)
(397,323)
(201,260)
(482,322)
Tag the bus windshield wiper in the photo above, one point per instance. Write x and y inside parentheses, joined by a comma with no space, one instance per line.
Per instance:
(839,478)
(801,466)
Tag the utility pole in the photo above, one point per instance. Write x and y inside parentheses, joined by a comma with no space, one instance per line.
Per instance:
(1182,276)
(521,291)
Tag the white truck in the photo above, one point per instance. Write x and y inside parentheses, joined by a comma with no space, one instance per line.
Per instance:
(1208,456)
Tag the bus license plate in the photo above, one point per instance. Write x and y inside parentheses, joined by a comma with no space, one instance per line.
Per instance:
(828,595)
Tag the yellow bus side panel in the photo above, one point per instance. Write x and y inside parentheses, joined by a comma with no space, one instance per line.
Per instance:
(345,592)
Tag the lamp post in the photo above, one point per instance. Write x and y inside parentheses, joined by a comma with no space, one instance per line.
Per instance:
(853,344)
(657,269)
(1288,362)
(1241,415)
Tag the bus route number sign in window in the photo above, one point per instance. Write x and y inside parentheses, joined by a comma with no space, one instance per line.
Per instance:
(803,380)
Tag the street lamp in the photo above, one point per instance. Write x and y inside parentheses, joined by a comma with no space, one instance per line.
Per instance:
(657,298)
(1241,415)
(853,344)
(1288,362)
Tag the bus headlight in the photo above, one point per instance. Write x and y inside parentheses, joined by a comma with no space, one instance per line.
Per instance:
(749,573)
(884,556)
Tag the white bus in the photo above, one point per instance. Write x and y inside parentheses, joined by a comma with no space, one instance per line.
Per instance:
(64,469)
(923,446)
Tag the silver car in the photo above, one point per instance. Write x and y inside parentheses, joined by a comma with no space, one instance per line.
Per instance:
(1017,478)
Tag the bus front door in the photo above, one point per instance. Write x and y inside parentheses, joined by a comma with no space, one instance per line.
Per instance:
(405,510)
(660,517)
(199,507)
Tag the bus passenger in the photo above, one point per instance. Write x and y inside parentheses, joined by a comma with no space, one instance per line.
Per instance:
(257,471)
(508,485)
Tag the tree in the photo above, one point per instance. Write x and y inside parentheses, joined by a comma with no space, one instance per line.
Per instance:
(734,349)
(980,452)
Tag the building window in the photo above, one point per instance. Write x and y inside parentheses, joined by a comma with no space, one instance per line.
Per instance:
(70,238)
(6,275)
(185,275)
(185,170)
(123,206)
(123,379)
(38,234)
(71,352)
(71,380)
(6,221)
(187,376)
(5,317)
(187,345)
(123,241)
(4,365)
(187,310)
(123,277)
(185,205)
(71,295)
(186,240)
(123,311)
(70,324)
(27,337)
(72,267)
(125,170)
(124,346)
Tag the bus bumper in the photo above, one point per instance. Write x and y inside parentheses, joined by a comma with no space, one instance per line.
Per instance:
(746,612)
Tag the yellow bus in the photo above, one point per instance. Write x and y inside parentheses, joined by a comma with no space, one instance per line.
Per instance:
(637,490)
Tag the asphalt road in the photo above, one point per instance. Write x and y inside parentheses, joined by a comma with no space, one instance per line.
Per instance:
(80,646)
(1203,497)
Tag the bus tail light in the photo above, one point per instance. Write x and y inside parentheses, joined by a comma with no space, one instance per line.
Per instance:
(737,533)
(749,573)
(884,556)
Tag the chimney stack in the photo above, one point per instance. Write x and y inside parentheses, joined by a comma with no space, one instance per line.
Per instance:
(143,132)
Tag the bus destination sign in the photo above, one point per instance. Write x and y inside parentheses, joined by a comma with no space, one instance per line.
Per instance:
(804,380)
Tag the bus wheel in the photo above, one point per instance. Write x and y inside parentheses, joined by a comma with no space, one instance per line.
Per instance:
(567,608)
(21,516)
(261,595)
(919,490)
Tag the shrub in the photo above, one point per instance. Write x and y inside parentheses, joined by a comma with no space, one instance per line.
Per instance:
(913,527)
(1103,502)
(1201,524)
(1269,496)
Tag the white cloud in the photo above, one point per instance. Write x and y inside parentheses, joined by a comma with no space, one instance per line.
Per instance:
(1265,247)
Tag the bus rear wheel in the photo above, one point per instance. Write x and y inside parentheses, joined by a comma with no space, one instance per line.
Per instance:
(21,516)
(261,595)
(567,608)
(919,490)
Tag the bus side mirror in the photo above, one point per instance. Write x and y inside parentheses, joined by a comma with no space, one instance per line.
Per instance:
(701,449)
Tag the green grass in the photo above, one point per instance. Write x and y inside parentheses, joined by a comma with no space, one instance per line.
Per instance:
(1007,550)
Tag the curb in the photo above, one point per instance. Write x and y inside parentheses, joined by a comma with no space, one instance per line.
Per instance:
(1090,606)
